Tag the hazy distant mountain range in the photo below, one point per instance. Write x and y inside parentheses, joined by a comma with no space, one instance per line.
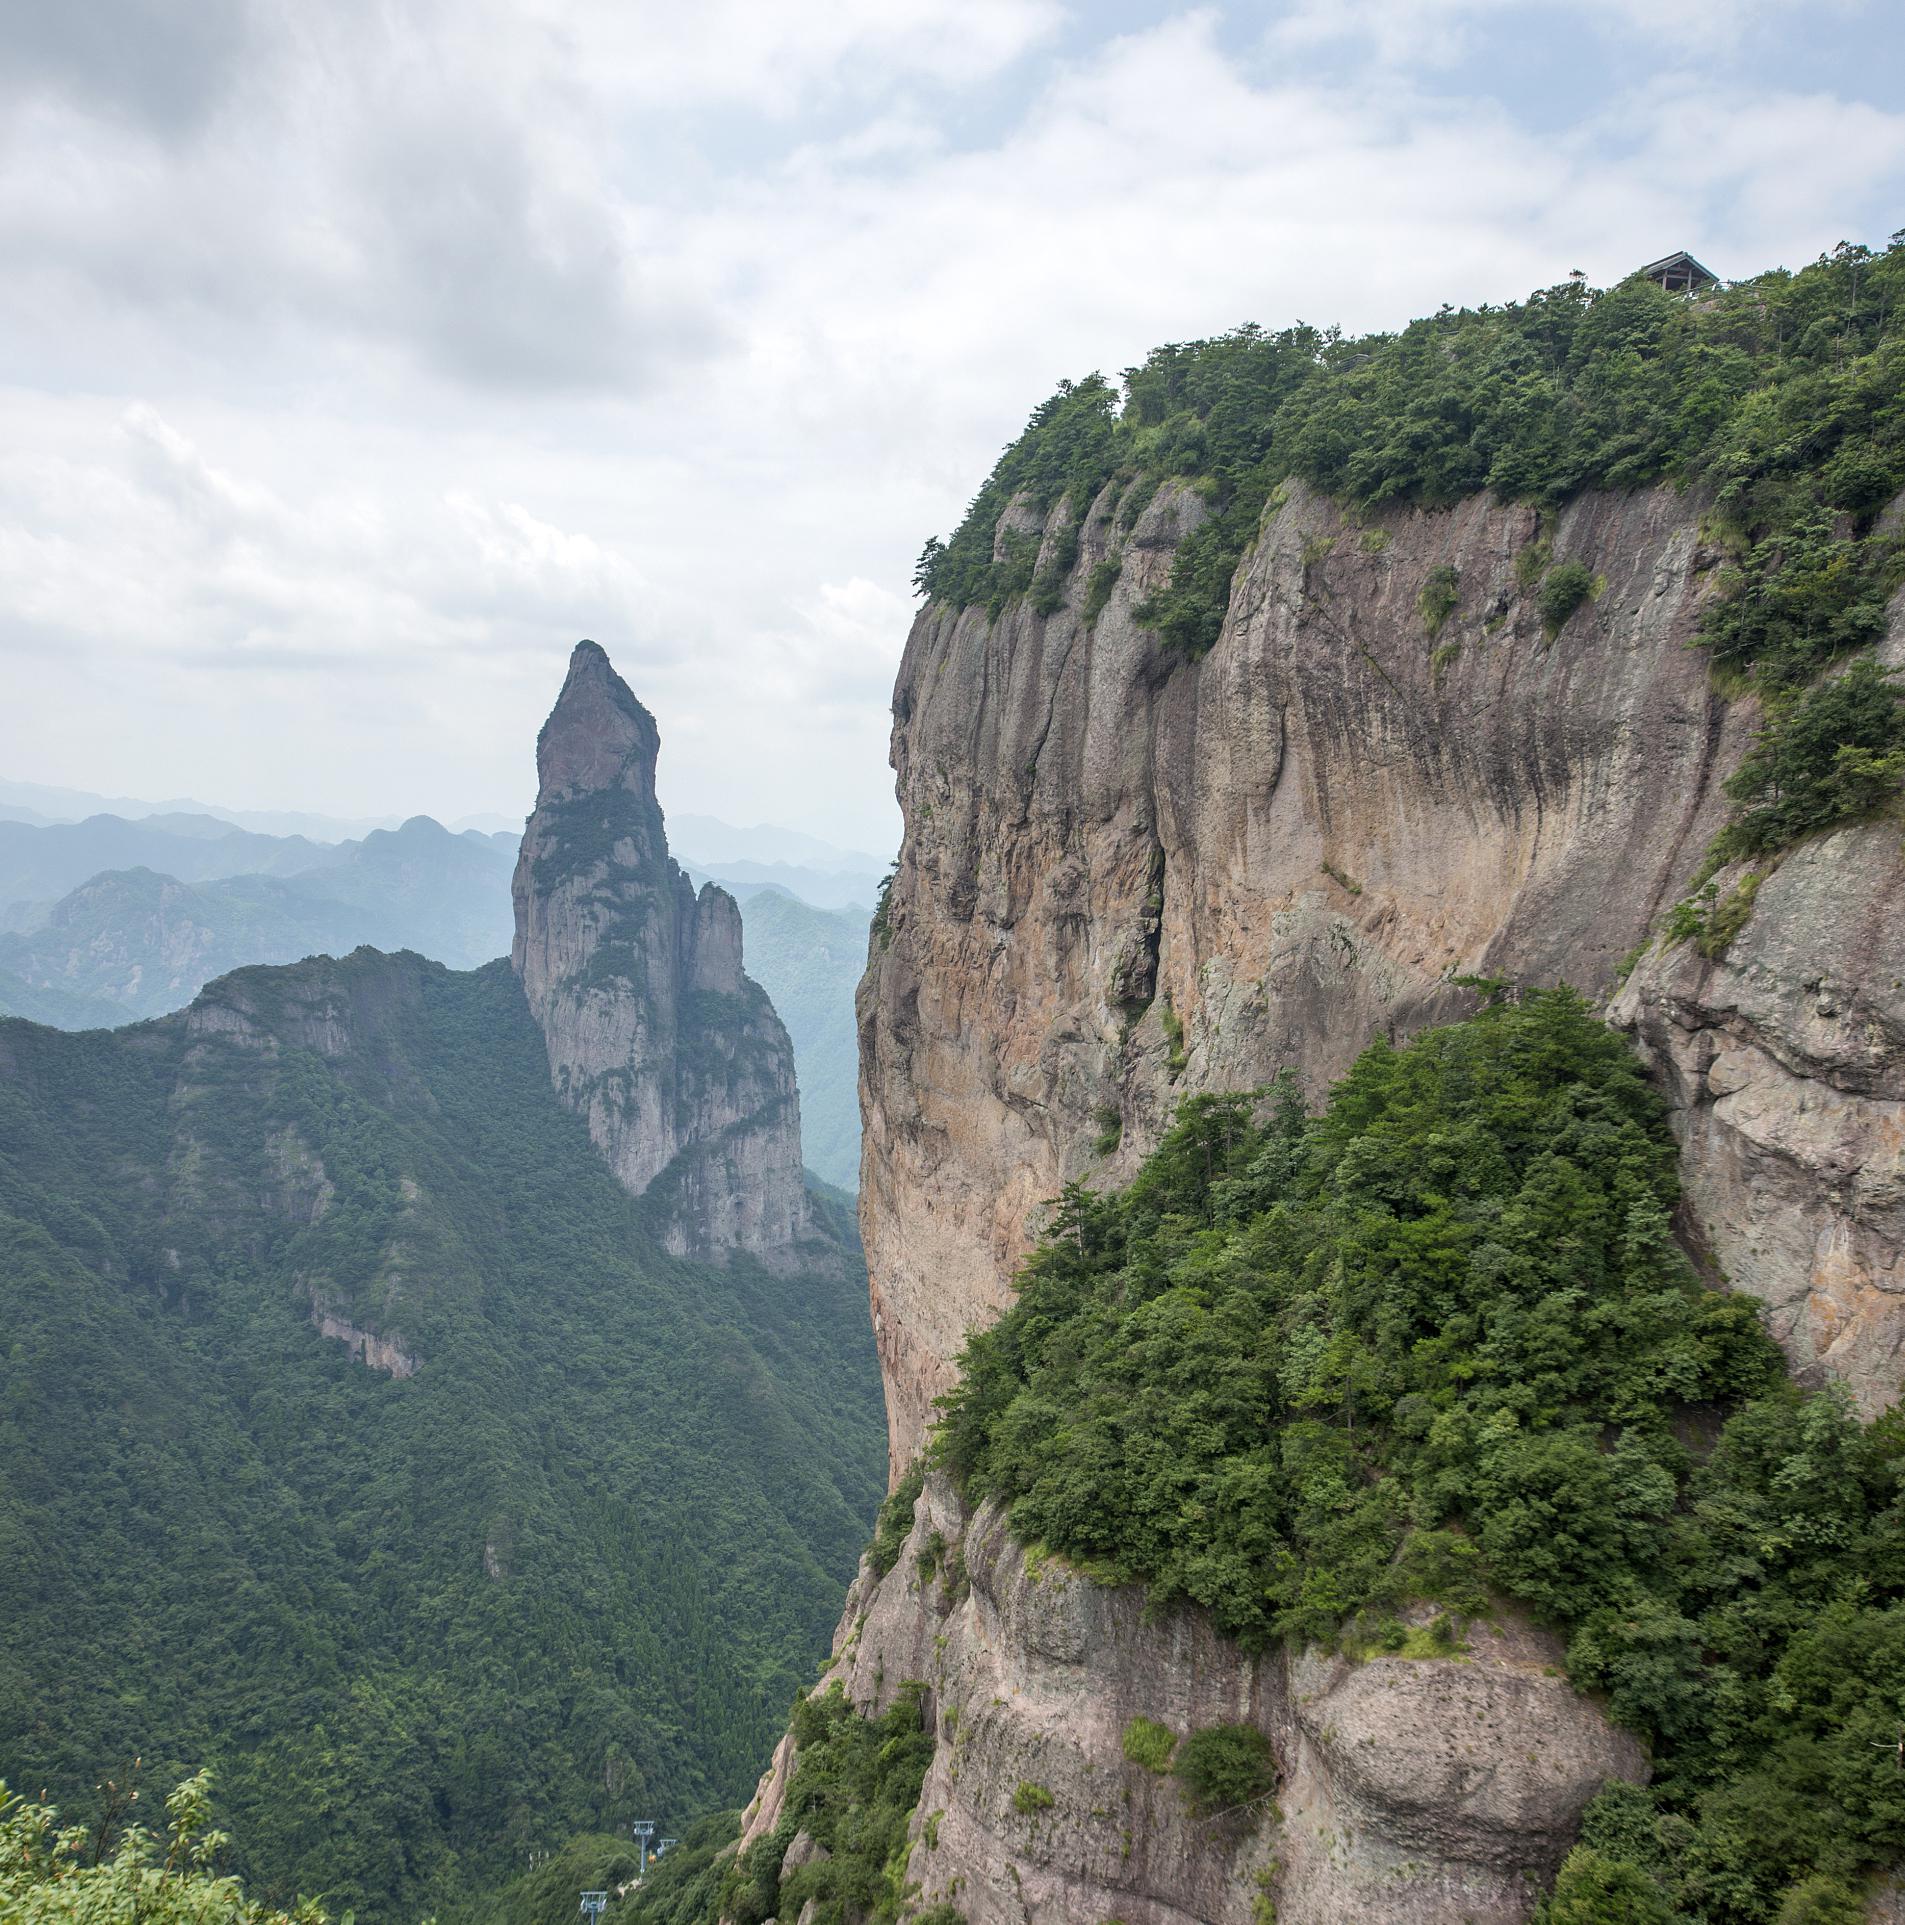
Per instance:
(38,804)
(146,915)
(113,910)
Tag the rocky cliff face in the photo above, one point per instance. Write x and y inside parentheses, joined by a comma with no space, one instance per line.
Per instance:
(1127,878)
(1785,1063)
(1394,1800)
(1293,845)
(655,1033)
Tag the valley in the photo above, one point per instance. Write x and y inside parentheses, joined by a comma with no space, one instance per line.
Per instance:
(365,1443)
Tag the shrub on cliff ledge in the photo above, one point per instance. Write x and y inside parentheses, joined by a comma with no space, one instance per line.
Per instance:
(1566,586)
(895,1522)
(1225,1767)
(1150,1744)
(1439,1343)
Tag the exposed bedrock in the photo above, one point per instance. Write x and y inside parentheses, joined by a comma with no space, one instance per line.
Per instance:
(655,1033)
(1127,878)
(1785,1065)
(1408,1789)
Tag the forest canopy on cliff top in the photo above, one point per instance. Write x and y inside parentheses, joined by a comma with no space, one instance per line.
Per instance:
(1781,394)
(1439,1344)
(1782,397)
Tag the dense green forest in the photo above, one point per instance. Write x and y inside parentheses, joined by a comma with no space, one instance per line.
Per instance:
(567,1573)
(1780,398)
(1439,1344)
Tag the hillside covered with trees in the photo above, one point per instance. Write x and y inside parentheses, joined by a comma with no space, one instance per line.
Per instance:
(559,1562)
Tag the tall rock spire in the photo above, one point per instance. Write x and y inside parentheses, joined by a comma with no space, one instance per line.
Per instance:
(654,1032)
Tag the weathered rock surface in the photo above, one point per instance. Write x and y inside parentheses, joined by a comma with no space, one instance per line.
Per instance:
(1292,844)
(1409,1789)
(1126,878)
(1785,1064)
(654,1031)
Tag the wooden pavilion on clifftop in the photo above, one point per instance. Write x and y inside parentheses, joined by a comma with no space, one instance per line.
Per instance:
(1680,274)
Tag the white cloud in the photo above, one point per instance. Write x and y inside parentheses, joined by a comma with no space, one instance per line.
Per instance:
(1438,33)
(393,347)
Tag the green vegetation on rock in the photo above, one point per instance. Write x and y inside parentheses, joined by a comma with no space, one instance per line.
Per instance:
(1563,589)
(1440,595)
(1779,397)
(856,1783)
(1439,1343)
(895,1521)
(1149,1744)
(1225,1767)
(1828,754)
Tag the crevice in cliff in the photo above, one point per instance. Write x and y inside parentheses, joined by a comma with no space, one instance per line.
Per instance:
(1055,689)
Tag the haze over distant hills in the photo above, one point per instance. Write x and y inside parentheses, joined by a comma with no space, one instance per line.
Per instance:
(38,803)
(705,838)
(113,910)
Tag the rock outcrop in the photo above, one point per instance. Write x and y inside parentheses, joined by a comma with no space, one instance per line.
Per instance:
(1128,877)
(655,1033)
(1784,1060)
(1410,1789)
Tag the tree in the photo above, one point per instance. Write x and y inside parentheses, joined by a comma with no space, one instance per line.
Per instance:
(1596,1890)
(49,1874)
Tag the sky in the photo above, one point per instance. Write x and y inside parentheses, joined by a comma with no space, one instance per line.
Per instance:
(357,359)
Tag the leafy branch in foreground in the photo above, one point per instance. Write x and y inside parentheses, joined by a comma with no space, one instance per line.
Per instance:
(50,1873)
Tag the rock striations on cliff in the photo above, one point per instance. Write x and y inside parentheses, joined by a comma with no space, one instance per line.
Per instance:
(1410,1789)
(654,1031)
(1128,877)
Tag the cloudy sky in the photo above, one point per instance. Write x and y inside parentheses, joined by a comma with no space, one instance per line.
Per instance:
(357,358)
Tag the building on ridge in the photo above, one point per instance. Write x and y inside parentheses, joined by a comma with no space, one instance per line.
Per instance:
(1680,274)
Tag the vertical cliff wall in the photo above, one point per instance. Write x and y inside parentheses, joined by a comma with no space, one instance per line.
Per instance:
(1127,877)
(654,1031)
